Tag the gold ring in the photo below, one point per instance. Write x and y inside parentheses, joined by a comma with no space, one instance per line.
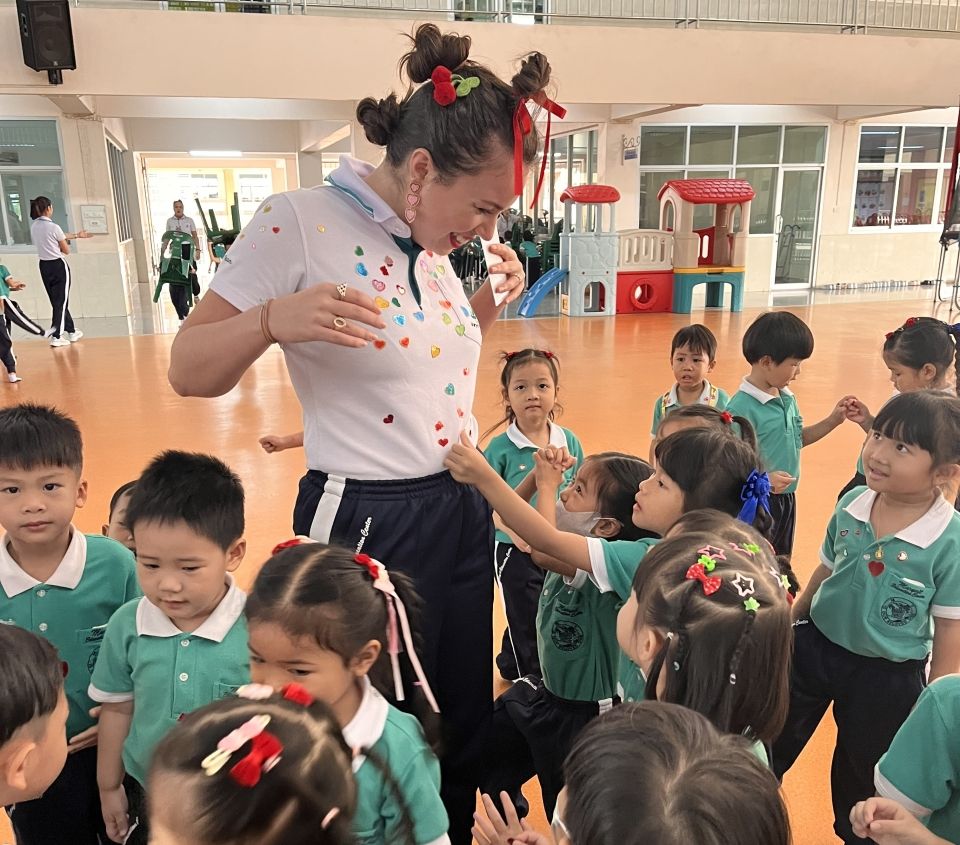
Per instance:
(342,291)
(339,323)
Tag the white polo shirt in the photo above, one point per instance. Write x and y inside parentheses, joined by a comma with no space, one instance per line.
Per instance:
(46,236)
(182,224)
(393,409)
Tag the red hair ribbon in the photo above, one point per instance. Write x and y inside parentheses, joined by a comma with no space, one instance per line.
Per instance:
(523,126)
(289,544)
(726,417)
(369,564)
(711,583)
(297,694)
(264,754)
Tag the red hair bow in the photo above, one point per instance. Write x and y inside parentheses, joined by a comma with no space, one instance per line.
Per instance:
(297,694)
(370,564)
(711,583)
(264,754)
(726,417)
(523,126)
(288,544)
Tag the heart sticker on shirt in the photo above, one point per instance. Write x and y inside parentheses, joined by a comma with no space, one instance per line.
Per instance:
(266,209)
(388,261)
(381,303)
(461,330)
(400,320)
(395,302)
(446,303)
(419,316)
(358,251)
(433,286)
(404,342)
(443,441)
(384,270)
(380,344)
(276,230)
(401,290)
(460,413)
(446,319)
(361,270)
(450,389)
(466,371)
(378,285)
(438,425)
(388,419)
(434,351)
(875,567)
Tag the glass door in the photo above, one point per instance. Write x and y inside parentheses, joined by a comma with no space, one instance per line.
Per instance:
(797,227)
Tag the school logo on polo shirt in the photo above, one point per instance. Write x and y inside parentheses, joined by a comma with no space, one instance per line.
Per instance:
(898,612)
(566,636)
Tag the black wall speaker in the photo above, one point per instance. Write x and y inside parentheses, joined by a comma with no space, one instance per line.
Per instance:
(46,36)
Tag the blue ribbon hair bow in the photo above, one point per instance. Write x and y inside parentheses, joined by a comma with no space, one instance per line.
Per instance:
(755,492)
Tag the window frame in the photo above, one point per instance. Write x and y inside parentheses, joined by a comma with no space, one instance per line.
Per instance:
(118,187)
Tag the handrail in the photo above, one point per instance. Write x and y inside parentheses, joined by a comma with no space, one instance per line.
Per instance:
(937,17)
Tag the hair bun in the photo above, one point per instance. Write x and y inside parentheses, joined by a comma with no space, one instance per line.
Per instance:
(534,75)
(379,119)
(432,48)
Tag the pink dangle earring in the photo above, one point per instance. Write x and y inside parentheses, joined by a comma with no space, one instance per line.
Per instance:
(413,200)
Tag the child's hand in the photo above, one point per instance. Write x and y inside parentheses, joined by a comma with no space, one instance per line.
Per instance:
(887,823)
(549,473)
(495,830)
(87,738)
(466,462)
(780,480)
(839,412)
(15,285)
(859,413)
(113,805)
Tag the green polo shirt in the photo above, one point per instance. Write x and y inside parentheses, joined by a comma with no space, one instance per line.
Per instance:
(614,563)
(71,608)
(396,739)
(922,768)
(778,424)
(631,685)
(4,275)
(884,592)
(511,455)
(715,397)
(577,638)
(166,672)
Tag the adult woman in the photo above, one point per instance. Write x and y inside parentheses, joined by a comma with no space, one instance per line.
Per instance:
(52,245)
(315,271)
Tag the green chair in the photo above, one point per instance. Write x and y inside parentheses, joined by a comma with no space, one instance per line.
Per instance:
(174,268)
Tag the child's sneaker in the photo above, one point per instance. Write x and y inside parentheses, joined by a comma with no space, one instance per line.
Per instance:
(13,378)
(59,341)
(74,336)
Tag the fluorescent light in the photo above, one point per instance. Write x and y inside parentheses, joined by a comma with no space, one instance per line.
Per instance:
(216,153)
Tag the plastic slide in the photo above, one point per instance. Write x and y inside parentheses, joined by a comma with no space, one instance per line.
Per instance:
(533,297)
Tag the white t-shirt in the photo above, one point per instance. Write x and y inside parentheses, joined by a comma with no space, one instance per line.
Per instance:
(393,409)
(46,236)
(184,224)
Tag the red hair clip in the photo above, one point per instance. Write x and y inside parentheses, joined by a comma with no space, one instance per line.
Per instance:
(443,91)
(726,417)
(289,544)
(369,564)
(264,754)
(910,321)
(711,583)
(297,694)
(547,354)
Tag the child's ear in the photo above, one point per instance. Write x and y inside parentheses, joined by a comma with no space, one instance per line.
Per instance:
(711,365)
(235,554)
(608,528)
(364,659)
(105,528)
(928,372)
(82,493)
(14,763)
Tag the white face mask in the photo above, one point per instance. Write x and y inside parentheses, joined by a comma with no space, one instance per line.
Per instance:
(575,523)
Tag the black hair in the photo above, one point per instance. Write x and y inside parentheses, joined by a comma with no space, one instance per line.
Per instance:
(39,206)
(721,420)
(724,659)
(199,490)
(779,335)
(33,436)
(32,679)
(465,135)
(925,418)
(616,479)
(698,339)
(307,798)
(925,340)
(711,468)
(512,360)
(121,491)
(647,772)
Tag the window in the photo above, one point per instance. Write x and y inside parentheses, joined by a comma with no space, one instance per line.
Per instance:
(572,161)
(118,183)
(804,144)
(30,166)
(661,145)
(764,183)
(909,188)
(758,145)
(650,184)
(711,144)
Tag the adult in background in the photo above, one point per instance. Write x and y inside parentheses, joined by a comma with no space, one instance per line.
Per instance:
(382,345)
(181,223)
(52,248)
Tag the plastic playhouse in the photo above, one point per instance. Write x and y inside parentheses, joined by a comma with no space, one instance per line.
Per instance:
(648,270)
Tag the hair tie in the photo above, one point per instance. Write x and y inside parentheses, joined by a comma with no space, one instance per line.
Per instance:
(726,417)
(523,126)
(299,540)
(329,817)
(396,611)
(754,493)
(954,330)
(297,694)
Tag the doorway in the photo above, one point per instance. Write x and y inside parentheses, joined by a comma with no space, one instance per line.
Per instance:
(796,228)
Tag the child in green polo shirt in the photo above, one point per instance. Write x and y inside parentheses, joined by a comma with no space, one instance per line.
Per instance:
(10,313)
(33,716)
(337,623)
(184,644)
(885,597)
(693,355)
(775,345)
(116,527)
(201,793)
(63,585)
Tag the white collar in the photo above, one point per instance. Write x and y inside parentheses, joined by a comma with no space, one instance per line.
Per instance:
(366,727)
(923,533)
(67,575)
(350,180)
(557,438)
(760,395)
(153,622)
(674,398)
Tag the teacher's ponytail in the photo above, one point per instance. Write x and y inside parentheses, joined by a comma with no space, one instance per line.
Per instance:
(39,206)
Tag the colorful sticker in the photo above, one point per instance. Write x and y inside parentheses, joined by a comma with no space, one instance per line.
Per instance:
(358,250)
(321,228)
(418,315)
(400,320)
(395,302)
(404,342)
(361,270)
(379,344)
(446,319)
(401,290)
(378,285)
(450,390)
(443,441)
(388,261)
(461,330)
(388,419)
(434,351)
(381,303)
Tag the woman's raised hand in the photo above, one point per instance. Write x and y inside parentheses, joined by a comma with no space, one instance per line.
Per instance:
(512,268)
(332,313)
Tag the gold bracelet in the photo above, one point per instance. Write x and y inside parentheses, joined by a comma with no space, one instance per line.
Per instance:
(265,322)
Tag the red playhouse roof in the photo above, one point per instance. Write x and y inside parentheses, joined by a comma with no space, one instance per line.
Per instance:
(591,194)
(710,191)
